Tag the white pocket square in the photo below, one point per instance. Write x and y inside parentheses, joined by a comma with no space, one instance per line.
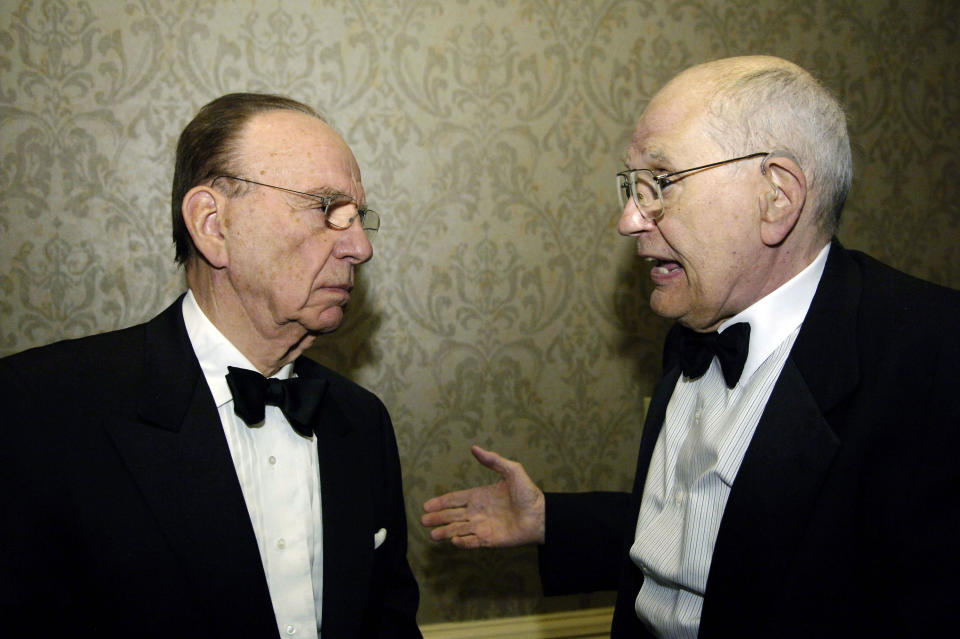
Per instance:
(379,537)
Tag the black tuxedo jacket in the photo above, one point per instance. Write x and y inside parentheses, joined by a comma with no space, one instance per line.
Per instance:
(121,512)
(843,518)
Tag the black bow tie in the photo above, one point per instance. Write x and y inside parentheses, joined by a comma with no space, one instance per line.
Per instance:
(298,398)
(730,347)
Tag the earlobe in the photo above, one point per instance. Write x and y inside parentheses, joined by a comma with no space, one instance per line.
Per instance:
(202,213)
(783,203)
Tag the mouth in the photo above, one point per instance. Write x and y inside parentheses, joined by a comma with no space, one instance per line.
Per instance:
(343,290)
(663,269)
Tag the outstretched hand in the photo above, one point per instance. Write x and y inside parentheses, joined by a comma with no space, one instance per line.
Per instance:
(508,513)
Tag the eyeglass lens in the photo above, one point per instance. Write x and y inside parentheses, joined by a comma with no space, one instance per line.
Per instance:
(341,215)
(640,186)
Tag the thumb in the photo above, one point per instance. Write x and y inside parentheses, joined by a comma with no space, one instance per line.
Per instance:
(492,460)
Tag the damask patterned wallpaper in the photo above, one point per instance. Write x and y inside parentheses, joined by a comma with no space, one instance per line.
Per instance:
(501,306)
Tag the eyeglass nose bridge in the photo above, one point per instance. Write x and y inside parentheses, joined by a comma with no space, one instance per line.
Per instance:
(650,205)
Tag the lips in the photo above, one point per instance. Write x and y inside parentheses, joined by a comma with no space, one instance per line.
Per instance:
(346,285)
(658,262)
(662,268)
(665,268)
(342,291)
(341,295)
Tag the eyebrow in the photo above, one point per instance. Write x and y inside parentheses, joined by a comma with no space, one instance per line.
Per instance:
(325,192)
(322,191)
(651,154)
(657,154)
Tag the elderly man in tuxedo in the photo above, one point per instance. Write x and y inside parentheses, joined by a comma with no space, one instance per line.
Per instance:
(196,476)
(798,471)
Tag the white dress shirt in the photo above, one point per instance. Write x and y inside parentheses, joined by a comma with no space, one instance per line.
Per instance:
(705,434)
(278,471)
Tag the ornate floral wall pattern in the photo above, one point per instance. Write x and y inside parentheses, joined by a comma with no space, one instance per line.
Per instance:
(501,306)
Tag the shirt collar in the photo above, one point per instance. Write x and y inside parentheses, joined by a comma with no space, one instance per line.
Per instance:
(774,317)
(215,352)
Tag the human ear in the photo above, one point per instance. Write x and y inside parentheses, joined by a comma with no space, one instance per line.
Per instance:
(202,214)
(781,206)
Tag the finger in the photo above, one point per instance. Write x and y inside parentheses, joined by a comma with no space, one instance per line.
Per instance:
(439,534)
(488,458)
(501,465)
(467,542)
(457,499)
(444,517)
(456,529)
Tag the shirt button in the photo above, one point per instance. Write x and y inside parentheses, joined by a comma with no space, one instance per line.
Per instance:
(272,460)
(281,544)
(291,630)
(678,497)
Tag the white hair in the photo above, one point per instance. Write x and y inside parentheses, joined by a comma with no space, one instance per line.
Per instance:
(781,107)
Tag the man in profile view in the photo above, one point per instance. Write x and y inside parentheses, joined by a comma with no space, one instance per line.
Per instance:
(797,474)
(196,476)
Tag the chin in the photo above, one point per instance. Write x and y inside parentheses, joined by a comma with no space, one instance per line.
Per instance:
(662,305)
(326,321)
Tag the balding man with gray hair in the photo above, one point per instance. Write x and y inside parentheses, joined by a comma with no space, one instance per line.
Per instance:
(797,474)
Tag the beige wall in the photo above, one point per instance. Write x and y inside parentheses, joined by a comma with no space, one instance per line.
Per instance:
(501,307)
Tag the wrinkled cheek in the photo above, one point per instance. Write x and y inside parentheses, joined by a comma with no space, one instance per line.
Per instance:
(697,293)
(288,276)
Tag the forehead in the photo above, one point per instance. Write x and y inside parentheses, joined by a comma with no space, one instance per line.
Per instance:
(671,131)
(297,150)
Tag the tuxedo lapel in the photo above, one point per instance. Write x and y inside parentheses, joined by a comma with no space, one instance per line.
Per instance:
(779,480)
(826,348)
(769,505)
(179,457)
(348,526)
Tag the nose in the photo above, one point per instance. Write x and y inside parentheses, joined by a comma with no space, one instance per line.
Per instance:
(353,243)
(632,221)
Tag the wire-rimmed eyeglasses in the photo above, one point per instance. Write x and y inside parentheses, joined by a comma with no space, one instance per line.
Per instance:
(337,213)
(644,186)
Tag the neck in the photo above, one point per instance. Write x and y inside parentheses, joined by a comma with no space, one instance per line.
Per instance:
(789,259)
(268,347)
(772,268)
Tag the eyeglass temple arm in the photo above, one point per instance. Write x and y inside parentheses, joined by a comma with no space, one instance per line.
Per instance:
(784,154)
(664,179)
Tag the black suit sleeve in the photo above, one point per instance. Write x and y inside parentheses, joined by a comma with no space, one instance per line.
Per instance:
(585,541)
(913,503)
(21,595)
(39,568)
